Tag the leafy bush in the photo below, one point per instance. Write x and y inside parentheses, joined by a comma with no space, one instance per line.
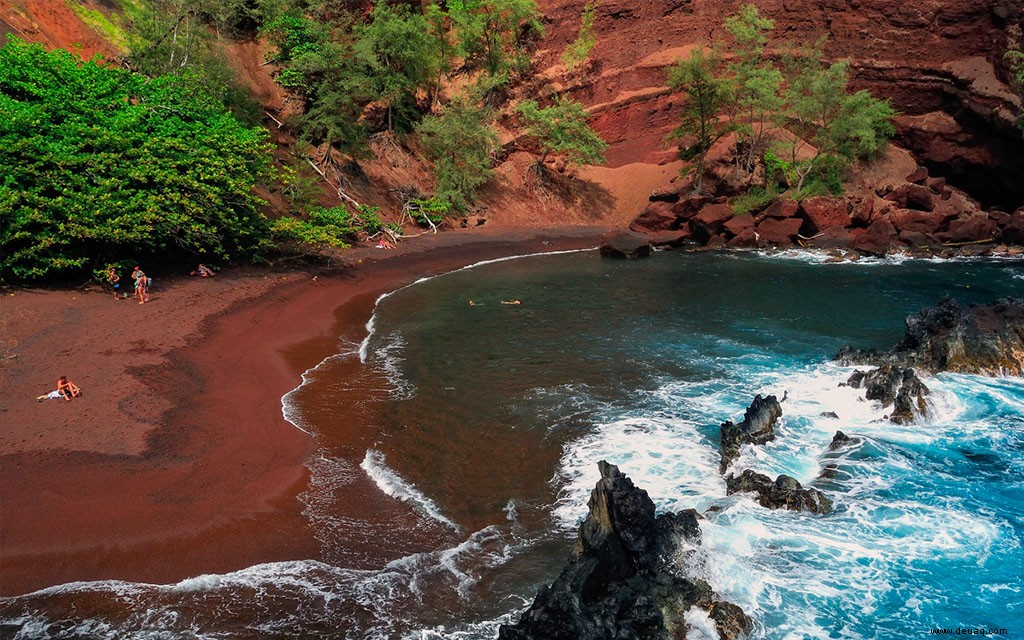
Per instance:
(460,142)
(754,199)
(100,164)
(428,211)
(562,129)
(579,49)
(323,228)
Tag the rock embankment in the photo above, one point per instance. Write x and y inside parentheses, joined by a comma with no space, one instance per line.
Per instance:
(624,580)
(920,216)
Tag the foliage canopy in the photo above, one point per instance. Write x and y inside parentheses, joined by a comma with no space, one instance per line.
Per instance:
(100,165)
(706,96)
(460,141)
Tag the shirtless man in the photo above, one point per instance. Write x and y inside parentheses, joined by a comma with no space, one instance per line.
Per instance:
(67,389)
(114,280)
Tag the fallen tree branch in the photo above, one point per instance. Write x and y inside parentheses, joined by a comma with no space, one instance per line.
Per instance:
(963,244)
(279,123)
(341,193)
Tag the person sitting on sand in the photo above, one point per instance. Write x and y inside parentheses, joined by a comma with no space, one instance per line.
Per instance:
(203,271)
(67,389)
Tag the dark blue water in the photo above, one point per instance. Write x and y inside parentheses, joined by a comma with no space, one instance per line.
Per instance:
(484,423)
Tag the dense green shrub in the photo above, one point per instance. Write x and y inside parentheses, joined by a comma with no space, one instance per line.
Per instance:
(562,129)
(99,163)
(460,143)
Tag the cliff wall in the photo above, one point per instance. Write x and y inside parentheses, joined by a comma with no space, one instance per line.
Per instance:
(940,63)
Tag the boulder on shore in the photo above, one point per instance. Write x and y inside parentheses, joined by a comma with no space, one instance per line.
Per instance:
(626,245)
(623,581)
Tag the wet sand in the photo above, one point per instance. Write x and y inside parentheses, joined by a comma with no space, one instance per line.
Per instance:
(177,461)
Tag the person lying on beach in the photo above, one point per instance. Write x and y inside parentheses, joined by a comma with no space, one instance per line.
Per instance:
(203,271)
(53,395)
(385,244)
(67,389)
(516,301)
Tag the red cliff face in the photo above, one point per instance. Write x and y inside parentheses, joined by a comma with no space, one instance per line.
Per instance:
(940,63)
(54,24)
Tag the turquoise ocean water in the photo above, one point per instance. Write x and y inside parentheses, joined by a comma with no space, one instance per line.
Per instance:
(488,420)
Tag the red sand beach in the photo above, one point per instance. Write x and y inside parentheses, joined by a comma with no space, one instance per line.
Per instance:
(176,461)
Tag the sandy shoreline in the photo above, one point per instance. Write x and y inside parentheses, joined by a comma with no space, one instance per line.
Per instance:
(177,460)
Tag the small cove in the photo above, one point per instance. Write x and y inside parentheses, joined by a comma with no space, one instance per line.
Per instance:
(473,431)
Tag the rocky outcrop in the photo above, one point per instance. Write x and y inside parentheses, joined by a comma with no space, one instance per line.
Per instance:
(623,581)
(920,218)
(896,387)
(784,493)
(986,339)
(757,427)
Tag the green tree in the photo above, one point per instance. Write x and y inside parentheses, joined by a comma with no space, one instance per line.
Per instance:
(460,141)
(706,97)
(840,127)
(402,55)
(491,31)
(101,164)
(579,49)
(1016,59)
(757,82)
(562,129)
(329,75)
(174,36)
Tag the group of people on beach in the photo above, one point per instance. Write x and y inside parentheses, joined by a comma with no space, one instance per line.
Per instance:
(139,279)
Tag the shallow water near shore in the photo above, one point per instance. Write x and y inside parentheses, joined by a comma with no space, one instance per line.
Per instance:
(458,445)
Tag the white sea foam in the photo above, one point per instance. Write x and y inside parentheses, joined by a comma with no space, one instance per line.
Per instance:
(702,627)
(786,568)
(288,409)
(375,466)
(668,457)
(812,256)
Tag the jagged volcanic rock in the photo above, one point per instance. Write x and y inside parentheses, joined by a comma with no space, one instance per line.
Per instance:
(986,339)
(623,581)
(785,493)
(757,427)
(898,387)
